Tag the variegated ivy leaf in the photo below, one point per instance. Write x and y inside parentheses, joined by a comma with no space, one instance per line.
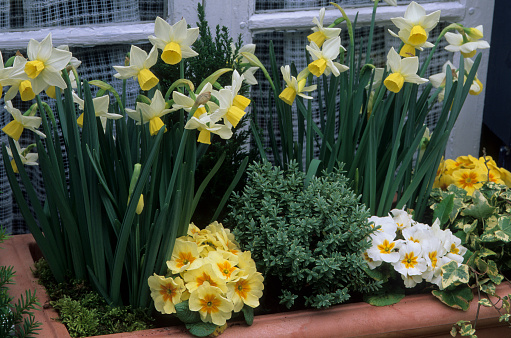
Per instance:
(485,252)
(485,302)
(488,288)
(505,226)
(493,273)
(467,228)
(480,208)
(454,274)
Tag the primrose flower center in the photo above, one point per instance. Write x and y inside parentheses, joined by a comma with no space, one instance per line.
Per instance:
(184,259)
(433,258)
(386,247)
(454,249)
(210,303)
(168,291)
(468,180)
(205,278)
(242,288)
(410,260)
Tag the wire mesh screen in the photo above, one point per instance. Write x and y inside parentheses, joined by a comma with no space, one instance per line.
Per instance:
(266,5)
(49,13)
(289,48)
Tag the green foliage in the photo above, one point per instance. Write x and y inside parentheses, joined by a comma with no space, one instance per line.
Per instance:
(464,328)
(458,297)
(388,295)
(306,240)
(16,319)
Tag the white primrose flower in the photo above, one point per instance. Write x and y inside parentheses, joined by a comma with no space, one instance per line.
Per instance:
(452,245)
(323,58)
(322,33)
(402,218)
(384,248)
(386,224)
(411,264)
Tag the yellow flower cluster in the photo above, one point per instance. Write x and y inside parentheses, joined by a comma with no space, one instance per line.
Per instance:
(470,173)
(208,269)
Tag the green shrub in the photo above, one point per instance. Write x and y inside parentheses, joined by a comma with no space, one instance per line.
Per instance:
(306,239)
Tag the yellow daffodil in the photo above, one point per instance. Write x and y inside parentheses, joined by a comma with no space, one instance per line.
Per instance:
(469,179)
(323,58)
(203,275)
(151,113)
(185,256)
(246,290)
(232,105)
(403,70)
(166,292)
(15,128)
(140,63)
(212,305)
(466,44)
(409,47)
(206,126)
(45,64)
(26,157)
(295,85)
(174,41)
(224,264)
(322,33)
(181,101)
(416,25)
(100,109)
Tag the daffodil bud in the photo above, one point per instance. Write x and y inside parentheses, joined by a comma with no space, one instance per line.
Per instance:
(203,98)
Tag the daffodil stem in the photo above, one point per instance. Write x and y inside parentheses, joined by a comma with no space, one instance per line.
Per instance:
(371,33)
(453,26)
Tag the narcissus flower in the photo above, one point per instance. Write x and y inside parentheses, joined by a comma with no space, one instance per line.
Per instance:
(246,290)
(212,305)
(295,85)
(206,126)
(100,109)
(151,113)
(476,87)
(15,128)
(166,292)
(140,62)
(174,41)
(26,157)
(416,24)
(466,44)
(322,33)
(19,81)
(403,70)
(232,105)
(185,256)
(323,58)
(248,74)
(181,101)
(45,64)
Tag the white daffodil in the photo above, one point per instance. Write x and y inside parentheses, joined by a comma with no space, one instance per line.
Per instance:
(75,63)
(323,58)
(390,2)
(150,113)
(100,109)
(410,263)
(174,41)
(19,81)
(416,24)
(409,47)
(466,44)
(140,62)
(5,74)
(181,101)
(249,72)
(322,33)
(403,70)
(295,86)
(26,157)
(21,122)
(476,87)
(45,64)
(438,80)
(384,248)
(232,105)
(206,126)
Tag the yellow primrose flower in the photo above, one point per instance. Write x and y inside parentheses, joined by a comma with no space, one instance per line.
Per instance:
(466,44)
(181,101)
(26,157)
(206,125)
(246,290)
(295,85)
(221,237)
(45,64)
(469,179)
(166,292)
(185,256)
(204,274)
(140,62)
(246,264)
(416,24)
(15,128)
(403,70)
(100,109)
(174,41)
(211,304)
(321,33)
(323,58)
(151,113)
(224,264)
(232,105)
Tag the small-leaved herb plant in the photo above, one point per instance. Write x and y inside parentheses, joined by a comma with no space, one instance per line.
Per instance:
(306,234)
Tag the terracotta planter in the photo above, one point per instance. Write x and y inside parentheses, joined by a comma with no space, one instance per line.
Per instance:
(414,316)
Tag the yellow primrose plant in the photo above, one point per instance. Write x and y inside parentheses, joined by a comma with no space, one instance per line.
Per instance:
(113,211)
(370,117)
(208,279)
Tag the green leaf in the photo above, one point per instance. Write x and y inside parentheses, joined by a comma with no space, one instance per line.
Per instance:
(468,228)
(505,226)
(444,209)
(493,273)
(480,208)
(201,329)
(484,252)
(452,274)
(458,298)
(184,313)
(385,296)
(488,288)
(248,313)
(485,302)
